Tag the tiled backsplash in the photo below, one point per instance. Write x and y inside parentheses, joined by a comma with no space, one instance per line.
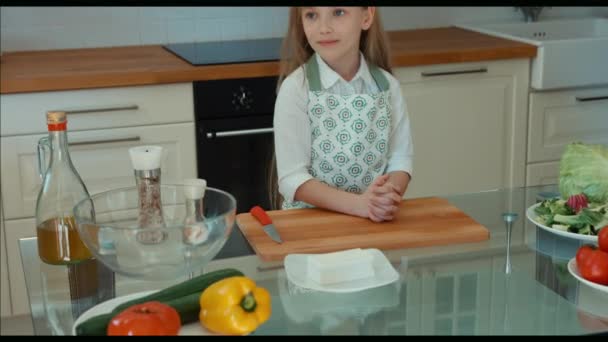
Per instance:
(42,28)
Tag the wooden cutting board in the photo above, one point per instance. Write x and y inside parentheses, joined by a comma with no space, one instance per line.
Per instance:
(421,222)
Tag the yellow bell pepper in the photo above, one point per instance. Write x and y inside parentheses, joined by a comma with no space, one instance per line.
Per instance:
(234,306)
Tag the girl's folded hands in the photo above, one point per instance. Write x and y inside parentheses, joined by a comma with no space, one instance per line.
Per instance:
(383,199)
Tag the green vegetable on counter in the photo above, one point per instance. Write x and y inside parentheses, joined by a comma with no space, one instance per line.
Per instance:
(183,297)
(583,186)
(583,169)
(556,214)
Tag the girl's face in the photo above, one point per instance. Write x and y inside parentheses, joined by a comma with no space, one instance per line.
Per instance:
(334,32)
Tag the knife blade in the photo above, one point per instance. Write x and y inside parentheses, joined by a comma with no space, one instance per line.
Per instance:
(266,222)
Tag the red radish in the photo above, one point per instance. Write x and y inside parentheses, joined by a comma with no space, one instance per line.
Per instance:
(577,202)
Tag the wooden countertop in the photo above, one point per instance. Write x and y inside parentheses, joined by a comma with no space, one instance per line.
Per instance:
(22,72)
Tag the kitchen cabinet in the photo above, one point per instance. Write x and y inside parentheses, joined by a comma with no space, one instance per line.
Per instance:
(536,277)
(402,315)
(442,298)
(468,123)
(5,295)
(25,113)
(15,230)
(456,300)
(404,318)
(102,125)
(504,290)
(100,156)
(542,173)
(557,118)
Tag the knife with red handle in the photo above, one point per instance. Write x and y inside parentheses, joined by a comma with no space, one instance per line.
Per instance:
(266,222)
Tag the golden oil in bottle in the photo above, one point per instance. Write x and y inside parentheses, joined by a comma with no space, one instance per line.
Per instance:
(60,243)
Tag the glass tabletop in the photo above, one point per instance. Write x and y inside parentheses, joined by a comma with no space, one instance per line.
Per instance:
(515,283)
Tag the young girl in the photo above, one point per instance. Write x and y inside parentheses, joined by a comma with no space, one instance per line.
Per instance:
(341,130)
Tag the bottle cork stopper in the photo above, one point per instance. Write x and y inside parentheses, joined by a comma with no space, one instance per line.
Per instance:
(55,117)
(146,157)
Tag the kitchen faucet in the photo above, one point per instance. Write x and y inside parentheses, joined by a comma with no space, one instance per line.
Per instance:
(531,13)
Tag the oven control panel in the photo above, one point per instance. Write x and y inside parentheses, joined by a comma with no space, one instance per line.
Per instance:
(240,97)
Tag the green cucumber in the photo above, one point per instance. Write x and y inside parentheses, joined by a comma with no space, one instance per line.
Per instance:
(187,307)
(196,284)
(94,326)
(185,301)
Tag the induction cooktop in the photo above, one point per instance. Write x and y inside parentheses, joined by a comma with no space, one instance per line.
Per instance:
(227,52)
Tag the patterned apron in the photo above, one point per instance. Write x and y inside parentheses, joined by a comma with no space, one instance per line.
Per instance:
(349,134)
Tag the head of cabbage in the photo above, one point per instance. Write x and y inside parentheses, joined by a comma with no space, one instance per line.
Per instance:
(583,169)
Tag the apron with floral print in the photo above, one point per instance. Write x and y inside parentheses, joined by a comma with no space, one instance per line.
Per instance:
(349,134)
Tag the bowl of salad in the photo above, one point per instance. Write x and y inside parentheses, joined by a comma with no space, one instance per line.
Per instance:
(556,216)
(580,210)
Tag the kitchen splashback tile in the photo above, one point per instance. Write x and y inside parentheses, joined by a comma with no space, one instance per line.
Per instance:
(181,30)
(36,28)
(208,30)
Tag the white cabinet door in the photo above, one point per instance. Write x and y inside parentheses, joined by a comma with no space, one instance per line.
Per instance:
(101,158)
(468,126)
(456,300)
(15,230)
(542,174)
(413,303)
(5,297)
(558,118)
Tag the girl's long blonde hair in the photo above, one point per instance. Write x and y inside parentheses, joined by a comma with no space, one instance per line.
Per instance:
(295,52)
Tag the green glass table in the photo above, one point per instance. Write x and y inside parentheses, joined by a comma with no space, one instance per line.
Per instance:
(515,283)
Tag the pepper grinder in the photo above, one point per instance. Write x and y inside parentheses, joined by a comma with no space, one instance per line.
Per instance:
(146,166)
(195,231)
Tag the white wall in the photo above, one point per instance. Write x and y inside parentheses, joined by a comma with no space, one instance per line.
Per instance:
(42,28)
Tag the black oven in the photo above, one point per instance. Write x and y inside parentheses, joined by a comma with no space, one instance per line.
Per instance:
(234,140)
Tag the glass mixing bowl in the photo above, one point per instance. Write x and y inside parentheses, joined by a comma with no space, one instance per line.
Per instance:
(189,235)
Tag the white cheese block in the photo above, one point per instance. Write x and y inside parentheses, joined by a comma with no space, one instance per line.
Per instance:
(337,267)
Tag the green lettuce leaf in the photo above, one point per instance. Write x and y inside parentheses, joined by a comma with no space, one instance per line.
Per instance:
(584,169)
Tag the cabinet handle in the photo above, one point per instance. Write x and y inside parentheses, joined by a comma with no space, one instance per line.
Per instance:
(592,98)
(456,72)
(102,109)
(211,135)
(95,142)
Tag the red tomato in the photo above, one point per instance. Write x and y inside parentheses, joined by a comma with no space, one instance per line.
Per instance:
(146,319)
(582,254)
(593,264)
(602,239)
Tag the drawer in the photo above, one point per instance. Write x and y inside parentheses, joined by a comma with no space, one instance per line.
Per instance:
(542,174)
(558,118)
(458,70)
(101,158)
(98,108)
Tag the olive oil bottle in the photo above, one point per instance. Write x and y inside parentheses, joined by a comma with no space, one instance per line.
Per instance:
(62,188)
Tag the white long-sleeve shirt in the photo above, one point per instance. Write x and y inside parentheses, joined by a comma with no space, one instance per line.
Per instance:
(292,136)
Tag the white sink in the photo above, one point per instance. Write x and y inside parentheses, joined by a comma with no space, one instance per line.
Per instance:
(571,52)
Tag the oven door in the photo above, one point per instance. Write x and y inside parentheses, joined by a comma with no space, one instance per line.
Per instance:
(234,154)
